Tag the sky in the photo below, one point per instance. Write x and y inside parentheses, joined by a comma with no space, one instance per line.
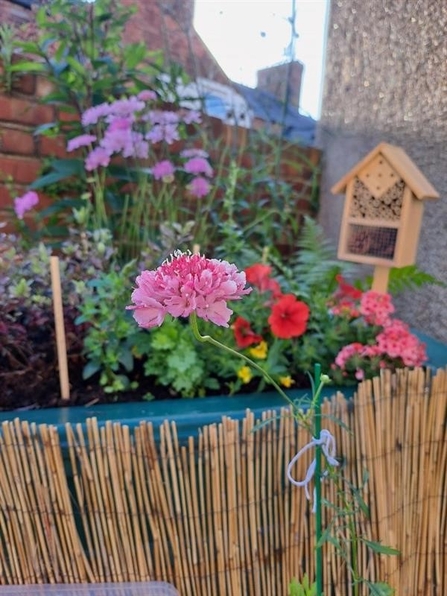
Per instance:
(247,35)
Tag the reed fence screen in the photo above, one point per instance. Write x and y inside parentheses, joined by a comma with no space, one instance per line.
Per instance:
(215,515)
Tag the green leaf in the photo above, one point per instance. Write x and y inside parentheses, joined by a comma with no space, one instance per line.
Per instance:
(380,589)
(381,548)
(90,369)
(28,67)
(45,129)
(126,359)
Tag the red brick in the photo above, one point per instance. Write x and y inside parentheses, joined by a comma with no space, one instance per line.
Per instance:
(16,142)
(5,197)
(24,111)
(25,84)
(51,146)
(22,170)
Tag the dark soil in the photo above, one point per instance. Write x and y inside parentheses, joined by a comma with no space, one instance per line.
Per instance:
(29,376)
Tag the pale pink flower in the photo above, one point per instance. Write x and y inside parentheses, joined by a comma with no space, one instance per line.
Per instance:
(198,165)
(191,116)
(147,95)
(348,352)
(199,187)
(80,141)
(193,152)
(24,203)
(184,284)
(359,374)
(98,157)
(163,170)
(92,115)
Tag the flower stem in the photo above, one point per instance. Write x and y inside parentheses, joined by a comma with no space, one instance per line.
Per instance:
(218,344)
(316,403)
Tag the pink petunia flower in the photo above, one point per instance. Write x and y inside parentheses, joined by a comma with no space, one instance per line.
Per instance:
(163,170)
(24,203)
(80,141)
(199,187)
(184,284)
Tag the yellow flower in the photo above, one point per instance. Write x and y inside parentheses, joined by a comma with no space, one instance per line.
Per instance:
(286,381)
(259,351)
(245,374)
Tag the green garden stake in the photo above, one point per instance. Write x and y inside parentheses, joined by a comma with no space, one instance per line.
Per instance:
(318,524)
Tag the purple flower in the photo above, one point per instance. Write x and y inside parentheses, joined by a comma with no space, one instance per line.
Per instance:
(199,187)
(80,141)
(127,107)
(198,165)
(98,157)
(24,203)
(192,116)
(163,170)
(92,115)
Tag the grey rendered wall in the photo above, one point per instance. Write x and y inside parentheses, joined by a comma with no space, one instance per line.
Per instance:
(386,80)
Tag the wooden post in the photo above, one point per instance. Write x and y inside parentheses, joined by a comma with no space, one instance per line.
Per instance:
(380,278)
(60,328)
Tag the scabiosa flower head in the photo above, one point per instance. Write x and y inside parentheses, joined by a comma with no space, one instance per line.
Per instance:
(244,334)
(184,284)
(92,115)
(198,165)
(24,203)
(199,187)
(147,95)
(191,116)
(80,141)
(98,157)
(289,317)
(127,106)
(163,170)
(193,152)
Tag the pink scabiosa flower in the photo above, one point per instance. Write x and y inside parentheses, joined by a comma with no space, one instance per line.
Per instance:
(163,170)
(98,157)
(185,284)
(92,115)
(147,95)
(80,141)
(199,187)
(191,117)
(24,203)
(198,165)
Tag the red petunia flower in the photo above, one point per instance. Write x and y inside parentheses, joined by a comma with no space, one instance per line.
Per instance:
(244,334)
(289,317)
(259,275)
(345,290)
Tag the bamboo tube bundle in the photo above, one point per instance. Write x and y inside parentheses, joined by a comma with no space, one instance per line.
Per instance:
(216,514)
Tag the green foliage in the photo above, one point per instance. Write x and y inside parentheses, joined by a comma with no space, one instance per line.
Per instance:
(410,278)
(176,360)
(79,49)
(7,41)
(111,332)
(305,588)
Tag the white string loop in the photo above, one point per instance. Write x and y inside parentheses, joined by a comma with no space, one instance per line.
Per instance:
(327,442)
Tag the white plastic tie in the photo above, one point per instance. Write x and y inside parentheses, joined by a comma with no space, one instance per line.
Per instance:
(327,443)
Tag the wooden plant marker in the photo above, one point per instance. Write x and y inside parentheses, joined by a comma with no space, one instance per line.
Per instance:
(60,328)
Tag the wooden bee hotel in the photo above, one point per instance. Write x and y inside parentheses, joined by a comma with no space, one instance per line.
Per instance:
(382,216)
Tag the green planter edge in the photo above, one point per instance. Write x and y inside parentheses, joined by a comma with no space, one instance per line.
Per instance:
(190,414)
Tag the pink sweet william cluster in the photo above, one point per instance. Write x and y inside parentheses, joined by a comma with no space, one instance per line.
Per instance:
(381,341)
(184,284)
(133,128)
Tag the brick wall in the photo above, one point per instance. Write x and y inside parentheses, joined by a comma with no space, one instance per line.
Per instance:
(21,153)
(13,13)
